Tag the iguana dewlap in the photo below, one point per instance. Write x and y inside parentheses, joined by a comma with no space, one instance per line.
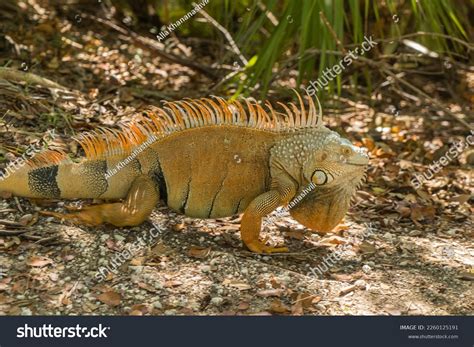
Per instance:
(205,158)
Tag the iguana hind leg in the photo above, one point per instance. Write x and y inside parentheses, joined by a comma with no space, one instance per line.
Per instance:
(140,202)
(259,208)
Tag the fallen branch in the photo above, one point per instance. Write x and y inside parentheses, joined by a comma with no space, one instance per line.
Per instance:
(4,232)
(227,35)
(28,77)
(156,47)
(427,97)
(10,223)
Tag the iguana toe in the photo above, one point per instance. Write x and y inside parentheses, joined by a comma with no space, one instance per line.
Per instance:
(259,247)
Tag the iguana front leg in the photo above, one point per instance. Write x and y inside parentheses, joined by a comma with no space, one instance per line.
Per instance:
(137,207)
(259,208)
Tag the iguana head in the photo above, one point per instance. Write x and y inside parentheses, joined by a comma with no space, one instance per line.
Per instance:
(334,161)
(336,168)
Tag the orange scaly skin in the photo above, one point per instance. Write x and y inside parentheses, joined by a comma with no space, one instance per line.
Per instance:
(209,158)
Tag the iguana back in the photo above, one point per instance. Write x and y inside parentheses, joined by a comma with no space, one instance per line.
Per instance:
(205,158)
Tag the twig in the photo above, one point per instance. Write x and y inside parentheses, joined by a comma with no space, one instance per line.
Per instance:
(141,41)
(28,77)
(225,79)
(306,298)
(347,290)
(332,31)
(10,223)
(468,45)
(271,17)
(427,97)
(226,34)
(17,202)
(8,210)
(47,239)
(4,232)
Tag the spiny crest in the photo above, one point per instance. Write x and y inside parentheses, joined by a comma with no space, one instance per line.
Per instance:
(47,158)
(194,113)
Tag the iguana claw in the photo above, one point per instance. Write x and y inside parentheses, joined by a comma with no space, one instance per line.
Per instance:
(259,247)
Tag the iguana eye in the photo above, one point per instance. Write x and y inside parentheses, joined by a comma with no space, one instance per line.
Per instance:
(319,177)
(346,150)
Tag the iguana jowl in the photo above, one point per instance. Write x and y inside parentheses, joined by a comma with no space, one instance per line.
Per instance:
(212,158)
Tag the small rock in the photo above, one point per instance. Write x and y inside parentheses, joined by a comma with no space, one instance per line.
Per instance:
(320,307)
(415,233)
(25,311)
(360,284)
(366,268)
(157,305)
(24,220)
(205,268)
(119,237)
(388,236)
(217,301)
(104,237)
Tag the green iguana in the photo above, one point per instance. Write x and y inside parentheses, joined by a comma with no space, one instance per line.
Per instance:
(205,158)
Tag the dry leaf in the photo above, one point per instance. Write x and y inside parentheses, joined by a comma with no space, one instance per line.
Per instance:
(160,249)
(112,245)
(172,283)
(277,306)
(403,210)
(141,308)
(178,227)
(369,143)
(38,261)
(463,198)
(295,234)
(236,284)
(467,276)
(138,261)
(199,252)
(297,309)
(367,248)
(270,292)
(342,277)
(340,228)
(110,298)
(147,287)
(306,299)
(419,212)
(332,240)
(26,219)
(243,306)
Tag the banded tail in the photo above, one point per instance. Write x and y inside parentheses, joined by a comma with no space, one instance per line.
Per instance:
(53,175)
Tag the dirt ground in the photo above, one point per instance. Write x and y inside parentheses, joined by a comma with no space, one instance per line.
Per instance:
(400,251)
